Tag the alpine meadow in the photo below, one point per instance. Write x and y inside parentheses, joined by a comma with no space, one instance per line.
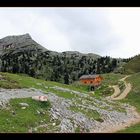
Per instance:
(69,70)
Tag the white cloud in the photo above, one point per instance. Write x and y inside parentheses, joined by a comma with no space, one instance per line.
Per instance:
(125,23)
(42,30)
(105,31)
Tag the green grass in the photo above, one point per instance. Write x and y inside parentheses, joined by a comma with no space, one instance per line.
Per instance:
(134,96)
(24,81)
(111,78)
(81,86)
(133,65)
(23,120)
(8,83)
(61,93)
(92,114)
(103,91)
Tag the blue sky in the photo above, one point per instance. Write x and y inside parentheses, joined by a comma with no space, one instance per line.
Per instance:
(104,31)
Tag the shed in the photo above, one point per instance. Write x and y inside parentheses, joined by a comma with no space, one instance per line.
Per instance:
(93,80)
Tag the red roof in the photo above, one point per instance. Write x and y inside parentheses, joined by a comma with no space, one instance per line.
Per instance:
(88,76)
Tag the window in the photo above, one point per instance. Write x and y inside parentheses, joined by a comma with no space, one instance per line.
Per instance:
(91,82)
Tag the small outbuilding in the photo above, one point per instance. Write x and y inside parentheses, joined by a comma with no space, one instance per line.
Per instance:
(92,80)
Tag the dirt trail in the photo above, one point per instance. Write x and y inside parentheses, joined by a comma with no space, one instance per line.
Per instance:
(116,95)
(116,91)
(123,79)
(125,92)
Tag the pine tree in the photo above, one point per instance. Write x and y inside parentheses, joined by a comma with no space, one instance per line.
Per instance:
(66,78)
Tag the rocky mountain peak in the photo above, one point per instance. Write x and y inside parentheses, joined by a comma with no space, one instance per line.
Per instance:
(27,35)
(15,38)
(23,42)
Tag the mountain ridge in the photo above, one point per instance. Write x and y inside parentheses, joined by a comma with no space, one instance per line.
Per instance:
(19,41)
(26,39)
(21,54)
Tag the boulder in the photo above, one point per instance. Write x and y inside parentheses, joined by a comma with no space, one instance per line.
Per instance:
(23,104)
(40,98)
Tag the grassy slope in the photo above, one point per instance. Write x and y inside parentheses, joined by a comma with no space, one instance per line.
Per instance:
(24,81)
(134,96)
(111,78)
(133,65)
(23,120)
(134,99)
(27,120)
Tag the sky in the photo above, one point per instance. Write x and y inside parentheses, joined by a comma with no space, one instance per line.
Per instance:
(113,32)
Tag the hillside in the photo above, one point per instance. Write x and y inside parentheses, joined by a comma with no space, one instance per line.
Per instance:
(68,109)
(133,66)
(21,54)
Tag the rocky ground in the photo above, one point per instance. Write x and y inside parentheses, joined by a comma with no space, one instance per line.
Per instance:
(77,114)
(7,94)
